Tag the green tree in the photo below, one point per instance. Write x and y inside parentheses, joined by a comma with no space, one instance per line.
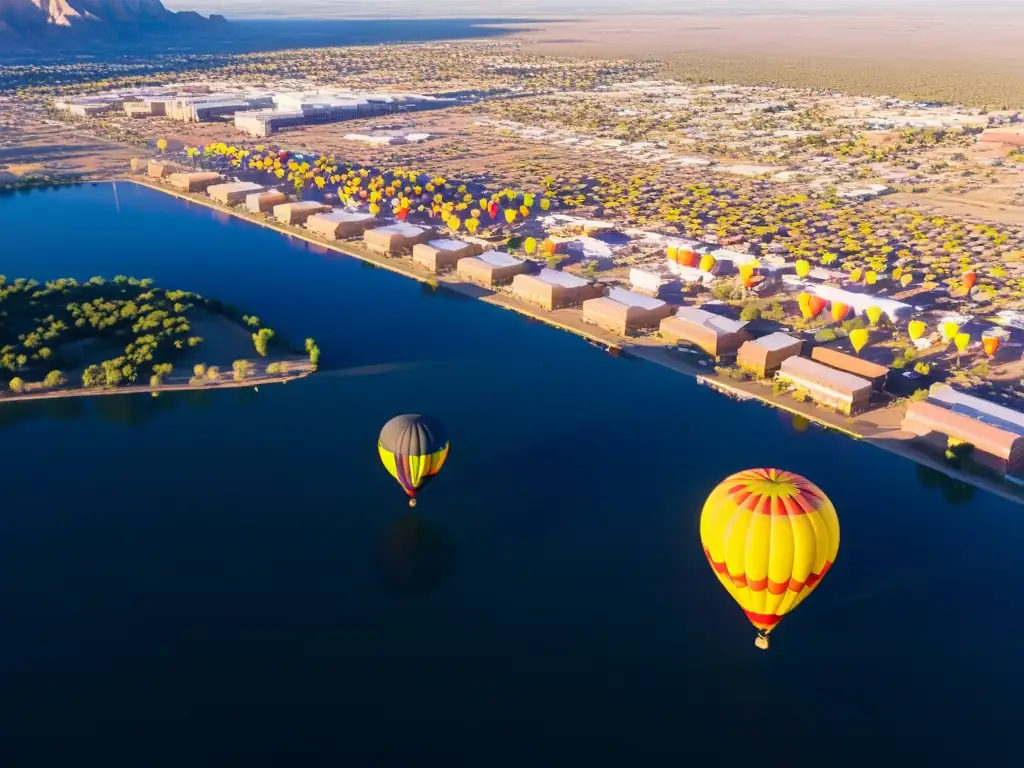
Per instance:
(314,352)
(55,379)
(242,369)
(213,373)
(17,385)
(260,340)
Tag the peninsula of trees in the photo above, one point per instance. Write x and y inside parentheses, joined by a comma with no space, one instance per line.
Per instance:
(71,337)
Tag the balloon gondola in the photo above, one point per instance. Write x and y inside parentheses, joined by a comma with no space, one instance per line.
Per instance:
(770,536)
(413,448)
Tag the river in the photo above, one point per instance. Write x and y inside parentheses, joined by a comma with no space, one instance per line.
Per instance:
(230,576)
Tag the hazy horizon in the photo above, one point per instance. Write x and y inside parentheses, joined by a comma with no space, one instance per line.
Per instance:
(340,9)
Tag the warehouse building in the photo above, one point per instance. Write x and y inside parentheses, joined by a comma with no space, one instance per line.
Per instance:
(396,237)
(297,213)
(234,192)
(762,357)
(997,446)
(340,224)
(552,289)
(490,268)
(828,387)
(873,372)
(439,255)
(194,182)
(715,334)
(264,202)
(625,312)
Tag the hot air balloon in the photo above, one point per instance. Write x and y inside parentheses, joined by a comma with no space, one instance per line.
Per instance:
(839,310)
(907,279)
(672,251)
(687,258)
(413,448)
(770,536)
(707,262)
(858,338)
(874,314)
(747,274)
(870,277)
(962,341)
(803,268)
(991,344)
(804,301)
(916,329)
(816,305)
(969,280)
(949,329)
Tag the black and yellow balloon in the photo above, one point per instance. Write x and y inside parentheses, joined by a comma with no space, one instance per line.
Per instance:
(413,448)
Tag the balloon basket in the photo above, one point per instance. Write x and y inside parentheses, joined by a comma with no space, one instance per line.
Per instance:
(412,502)
(761,641)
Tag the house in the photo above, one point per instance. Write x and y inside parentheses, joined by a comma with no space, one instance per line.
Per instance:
(552,289)
(396,237)
(339,224)
(873,372)
(763,356)
(233,193)
(995,446)
(194,182)
(715,334)
(439,255)
(842,391)
(297,213)
(490,268)
(624,312)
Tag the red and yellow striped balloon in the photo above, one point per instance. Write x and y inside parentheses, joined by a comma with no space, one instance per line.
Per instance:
(770,536)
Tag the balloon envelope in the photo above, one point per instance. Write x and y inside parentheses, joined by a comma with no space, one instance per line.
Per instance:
(916,329)
(839,310)
(413,448)
(858,338)
(770,536)
(991,344)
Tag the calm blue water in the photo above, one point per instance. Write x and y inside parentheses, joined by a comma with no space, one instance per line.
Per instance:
(195,581)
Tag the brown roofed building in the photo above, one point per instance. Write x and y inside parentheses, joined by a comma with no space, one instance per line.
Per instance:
(340,224)
(715,334)
(160,170)
(297,213)
(233,192)
(396,237)
(490,268)
(194,182)
(552,289)
(264,202)
(873,372)
(842,391)
(439,255)
(624,312)
(1009,136)
(997,448)
(763,356)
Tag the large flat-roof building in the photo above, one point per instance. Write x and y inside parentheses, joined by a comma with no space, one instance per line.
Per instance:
(552,289)
(439,255)
(873,372)
(998,446)
(625,312)
(297,213)
(763,356)
(339,224)
(264,202)
(396,237)
(859,302)
(198,181)
(234,192)
(490,268)
(842,391)
(714,334)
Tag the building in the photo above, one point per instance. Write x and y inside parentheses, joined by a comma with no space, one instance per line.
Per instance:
(297,213)
(159,170)
(715,334)
(340,224)
(873,372)
(193,109)
(553,290)
(652,281)
(977,408)
(138,109)
(396,237)
(264,202)
(263,122)
(439,255)
(624,312)
(490,268)
(1007,136)
(194,182)
(995,446)
(234,192)
(839,390)
(763,356)
(91,109)
(859,302)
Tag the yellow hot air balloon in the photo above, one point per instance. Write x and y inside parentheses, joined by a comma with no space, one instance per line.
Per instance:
(671,252)
(803,268)
(770,536)
(859,338)
(949,329)
(907,279)
(530,245)
(962,341)
(707,262)
(916,329)
(874,314)
(804,301)
(855,275)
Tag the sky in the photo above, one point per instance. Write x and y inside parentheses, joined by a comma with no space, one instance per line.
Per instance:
(529,8)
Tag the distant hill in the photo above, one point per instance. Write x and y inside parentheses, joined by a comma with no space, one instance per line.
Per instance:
(37,23)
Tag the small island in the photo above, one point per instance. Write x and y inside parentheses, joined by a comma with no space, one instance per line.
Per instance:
(66,338)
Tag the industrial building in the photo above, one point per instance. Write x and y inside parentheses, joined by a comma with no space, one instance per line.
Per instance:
(859,302)
(396,237)
(340,224)
(234,192)
(652,281)
(264,202)
(762,357)
(490,268)
(714,334)
(193,109)
(297,213)
(552,289)
(995,432)
(624,312)
(873,372)
(839,390)
(194,182)
(439,255)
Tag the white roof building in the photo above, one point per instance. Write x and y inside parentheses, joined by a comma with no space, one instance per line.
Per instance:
(859,302)
(710,320)
(982,410)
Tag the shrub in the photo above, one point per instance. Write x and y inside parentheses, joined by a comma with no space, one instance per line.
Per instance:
(919,395)
(17,385)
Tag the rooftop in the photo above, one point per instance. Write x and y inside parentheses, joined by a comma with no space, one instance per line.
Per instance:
(498,259)
(631,299)
(776,341)
(710,320)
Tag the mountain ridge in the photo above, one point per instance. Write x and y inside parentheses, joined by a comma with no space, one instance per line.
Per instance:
(28,21)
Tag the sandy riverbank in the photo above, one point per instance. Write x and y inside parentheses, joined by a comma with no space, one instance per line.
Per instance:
(881,426)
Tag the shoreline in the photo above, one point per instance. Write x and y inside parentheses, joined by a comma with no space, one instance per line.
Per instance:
(870,427)
(298,369)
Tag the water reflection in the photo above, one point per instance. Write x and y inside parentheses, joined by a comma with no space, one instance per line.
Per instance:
(126,410)
(954,491)
(417,556)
